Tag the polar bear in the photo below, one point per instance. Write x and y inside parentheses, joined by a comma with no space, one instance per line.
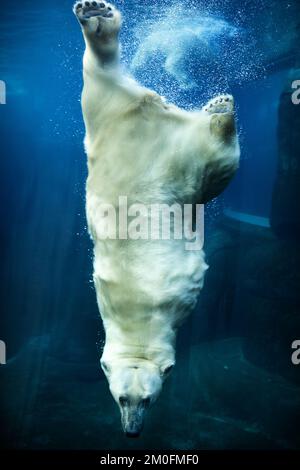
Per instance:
(150,151)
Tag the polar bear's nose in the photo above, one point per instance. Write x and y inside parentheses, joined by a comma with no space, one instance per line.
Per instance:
(132,417)
(133,430)
(132,434)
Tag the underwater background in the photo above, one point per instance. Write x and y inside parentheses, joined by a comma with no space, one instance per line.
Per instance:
(234,385)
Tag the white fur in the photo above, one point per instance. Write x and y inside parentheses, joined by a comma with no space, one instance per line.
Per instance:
(152,152)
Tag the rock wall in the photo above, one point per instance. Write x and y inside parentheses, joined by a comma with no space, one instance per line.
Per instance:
(252,291)
(285,211)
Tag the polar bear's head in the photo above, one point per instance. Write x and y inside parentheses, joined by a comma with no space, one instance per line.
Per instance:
(135,384)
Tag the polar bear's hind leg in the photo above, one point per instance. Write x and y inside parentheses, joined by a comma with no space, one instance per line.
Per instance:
(222,122)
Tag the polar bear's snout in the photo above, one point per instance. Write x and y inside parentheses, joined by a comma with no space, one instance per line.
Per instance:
(132,415)
(134,388)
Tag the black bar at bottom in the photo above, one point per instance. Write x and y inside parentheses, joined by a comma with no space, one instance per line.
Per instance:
(138,459)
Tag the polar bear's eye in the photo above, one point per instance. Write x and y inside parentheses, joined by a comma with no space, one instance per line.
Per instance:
(167,370)
(105,367)
(146,402)
(123,401)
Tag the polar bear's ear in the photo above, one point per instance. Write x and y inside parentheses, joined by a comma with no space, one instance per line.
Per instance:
(167,370)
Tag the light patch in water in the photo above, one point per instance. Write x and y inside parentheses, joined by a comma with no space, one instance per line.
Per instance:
(178,35)
(248,218)
(196,48)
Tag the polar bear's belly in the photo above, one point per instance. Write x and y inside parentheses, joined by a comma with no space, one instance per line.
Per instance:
(137,277)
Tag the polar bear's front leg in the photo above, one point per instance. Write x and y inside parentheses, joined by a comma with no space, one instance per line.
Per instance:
(103,92)
(100,22)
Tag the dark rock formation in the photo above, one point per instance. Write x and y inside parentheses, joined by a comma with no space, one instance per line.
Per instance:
(252,290)
(285,219)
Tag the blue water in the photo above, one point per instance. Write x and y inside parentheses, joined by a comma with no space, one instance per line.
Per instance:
(248,314)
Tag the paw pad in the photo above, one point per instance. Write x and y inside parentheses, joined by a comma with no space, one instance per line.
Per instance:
(220,104)
(86,10)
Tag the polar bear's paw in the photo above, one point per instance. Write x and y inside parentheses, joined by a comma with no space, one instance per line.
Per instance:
(221,112)
(98,16)
(220,104)
(87,10)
